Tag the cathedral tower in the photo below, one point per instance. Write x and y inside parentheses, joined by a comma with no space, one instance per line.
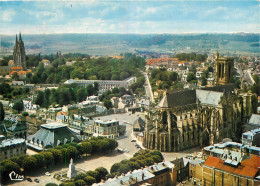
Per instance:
(19,53)
(224,70)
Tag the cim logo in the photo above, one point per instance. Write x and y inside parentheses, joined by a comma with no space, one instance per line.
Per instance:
(14,176)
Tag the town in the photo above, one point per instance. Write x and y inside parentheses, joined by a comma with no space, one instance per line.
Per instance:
(140,118)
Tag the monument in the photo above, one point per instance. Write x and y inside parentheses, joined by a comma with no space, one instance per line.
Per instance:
(72,173)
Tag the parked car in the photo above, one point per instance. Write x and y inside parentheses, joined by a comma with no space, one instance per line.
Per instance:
(29,179)
(47,173)
(36,180)
(133,140)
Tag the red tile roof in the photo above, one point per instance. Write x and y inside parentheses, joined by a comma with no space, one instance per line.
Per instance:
(17,68)
(248,167)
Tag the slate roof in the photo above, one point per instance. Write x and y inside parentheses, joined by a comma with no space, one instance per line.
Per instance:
(254,119)
(248,167)
(177,99)
(222,88)
(17,127)
(54,134)
(139,123)
(3,130)
(209,97)
(11,142)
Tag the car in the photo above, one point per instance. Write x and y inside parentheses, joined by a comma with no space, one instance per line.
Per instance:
(47,173)
(29,179)
(133,140)
(137,146)
(36,180)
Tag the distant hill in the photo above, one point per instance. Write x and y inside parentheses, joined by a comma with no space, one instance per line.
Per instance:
(114,44)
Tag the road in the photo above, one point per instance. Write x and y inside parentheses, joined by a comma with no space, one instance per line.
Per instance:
(148,88)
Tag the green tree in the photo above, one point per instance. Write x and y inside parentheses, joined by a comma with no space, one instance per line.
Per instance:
(102,173)
(15,76)
(80,183)
(89,180)
(108,104)
(2,112)
(80,176)
(51,184)
(85,148)
(29,163)
(25,114)
(191,76)
(18,105)
(39,98)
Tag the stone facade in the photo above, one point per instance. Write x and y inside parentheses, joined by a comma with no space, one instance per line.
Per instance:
(19,53)
(224,70)
(202,118)
(190,118)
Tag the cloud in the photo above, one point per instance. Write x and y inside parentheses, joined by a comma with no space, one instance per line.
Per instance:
(7,15)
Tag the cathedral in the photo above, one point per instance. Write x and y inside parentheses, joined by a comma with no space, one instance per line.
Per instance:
(19,53)
(200,117)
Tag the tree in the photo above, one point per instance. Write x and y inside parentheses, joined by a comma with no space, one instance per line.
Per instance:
(15,76)
(191,76)
(80,176)
(108,104)
(51,184)
(89,180)
(18,105)
(25,114)
(39,98)
(2,112)
(29,163)
(85,148)
(203,81)
(102,173)
(80,183)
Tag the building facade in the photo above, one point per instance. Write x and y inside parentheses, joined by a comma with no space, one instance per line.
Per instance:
(107,129)
(12,147)
(19,53)
(104,85)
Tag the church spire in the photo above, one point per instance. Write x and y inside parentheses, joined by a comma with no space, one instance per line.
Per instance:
(16,39)
(20,37)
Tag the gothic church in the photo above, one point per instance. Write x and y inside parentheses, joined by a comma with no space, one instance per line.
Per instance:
(191,118)
(19,53)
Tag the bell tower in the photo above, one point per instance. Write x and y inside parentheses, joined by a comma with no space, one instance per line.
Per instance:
(224,70)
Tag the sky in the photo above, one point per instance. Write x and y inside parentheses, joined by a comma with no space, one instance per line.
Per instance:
(129,16)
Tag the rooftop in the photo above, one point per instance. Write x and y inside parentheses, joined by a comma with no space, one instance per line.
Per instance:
(10,142)
(248,167)
(254,119)
(252,132)
(54,125)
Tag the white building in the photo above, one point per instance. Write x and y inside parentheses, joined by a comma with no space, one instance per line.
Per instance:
(104,85)
(107,129)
